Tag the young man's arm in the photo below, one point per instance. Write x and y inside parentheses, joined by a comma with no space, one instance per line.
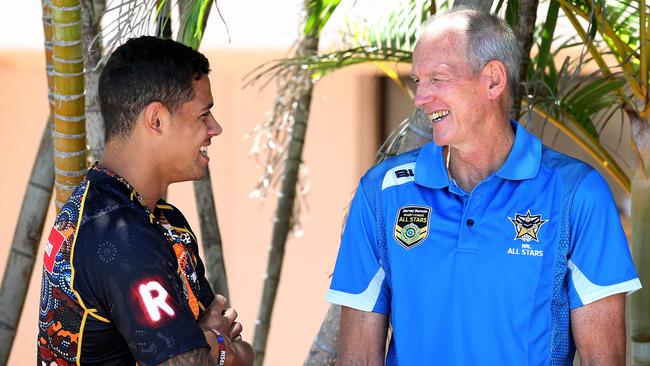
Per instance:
(239,353)
(599,331)
(199,357)
(362,338)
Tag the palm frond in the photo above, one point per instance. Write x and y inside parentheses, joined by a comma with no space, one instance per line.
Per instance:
(323,64)
(193,21)
(398,29)
(320,12)
(135,18)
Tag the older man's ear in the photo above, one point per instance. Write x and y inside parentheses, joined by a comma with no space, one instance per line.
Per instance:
(494,74)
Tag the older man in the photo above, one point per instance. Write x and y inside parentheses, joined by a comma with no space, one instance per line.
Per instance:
(484,247)
(122,279)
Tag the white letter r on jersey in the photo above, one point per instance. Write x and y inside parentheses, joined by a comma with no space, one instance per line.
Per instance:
(154,303)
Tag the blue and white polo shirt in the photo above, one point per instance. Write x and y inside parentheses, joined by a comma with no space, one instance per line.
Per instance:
(489,277)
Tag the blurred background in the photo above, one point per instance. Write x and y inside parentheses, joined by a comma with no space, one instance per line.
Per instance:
(352,112)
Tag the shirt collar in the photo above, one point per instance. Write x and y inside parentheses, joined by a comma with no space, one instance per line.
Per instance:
(102,176)
(430,169)
(523,161)
(524,158)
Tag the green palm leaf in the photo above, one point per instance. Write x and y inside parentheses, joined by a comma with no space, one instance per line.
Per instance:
(320,12)
(193,22)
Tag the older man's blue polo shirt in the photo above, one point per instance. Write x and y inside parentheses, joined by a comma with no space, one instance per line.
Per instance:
(489,277)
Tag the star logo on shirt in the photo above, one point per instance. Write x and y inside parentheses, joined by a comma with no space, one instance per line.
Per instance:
(527,226)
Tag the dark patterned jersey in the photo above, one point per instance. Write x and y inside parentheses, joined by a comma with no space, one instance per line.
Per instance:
(120,283)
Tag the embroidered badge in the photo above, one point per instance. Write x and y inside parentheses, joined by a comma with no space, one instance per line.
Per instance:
(527,226)
(412,225)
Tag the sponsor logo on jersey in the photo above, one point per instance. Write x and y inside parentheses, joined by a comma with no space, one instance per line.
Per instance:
(404,173)
(412,225)
(527,226)
(52,247)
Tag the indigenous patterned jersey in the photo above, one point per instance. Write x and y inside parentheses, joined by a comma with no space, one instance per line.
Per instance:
(486,277)
(120,283)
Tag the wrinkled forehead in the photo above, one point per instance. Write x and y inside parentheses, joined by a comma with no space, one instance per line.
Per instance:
(447,33)
(443,43)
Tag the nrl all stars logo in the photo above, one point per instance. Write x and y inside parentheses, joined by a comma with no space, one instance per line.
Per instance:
(527,229)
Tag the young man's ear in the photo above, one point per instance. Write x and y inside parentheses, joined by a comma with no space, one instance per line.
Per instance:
(497,81)
(154,115)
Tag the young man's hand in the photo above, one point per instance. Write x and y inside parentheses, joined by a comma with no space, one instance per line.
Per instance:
(222,319)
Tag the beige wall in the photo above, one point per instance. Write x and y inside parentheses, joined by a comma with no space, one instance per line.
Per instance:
(339,147)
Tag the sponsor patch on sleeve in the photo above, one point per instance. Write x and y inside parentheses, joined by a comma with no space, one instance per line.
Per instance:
(52,247)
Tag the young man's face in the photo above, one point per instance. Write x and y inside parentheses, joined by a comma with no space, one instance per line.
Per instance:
(192,127)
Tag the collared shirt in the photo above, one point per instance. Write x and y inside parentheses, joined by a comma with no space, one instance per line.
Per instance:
(120,283)
(486,277)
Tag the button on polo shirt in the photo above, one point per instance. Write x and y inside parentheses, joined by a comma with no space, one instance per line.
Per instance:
(485,277)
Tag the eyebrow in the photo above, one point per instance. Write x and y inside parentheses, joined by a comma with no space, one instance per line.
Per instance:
(208,107)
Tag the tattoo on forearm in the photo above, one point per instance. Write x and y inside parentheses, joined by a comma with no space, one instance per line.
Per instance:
(200,356)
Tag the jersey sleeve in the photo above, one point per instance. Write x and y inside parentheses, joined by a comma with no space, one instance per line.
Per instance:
(130,279)
(600,263)
(359,280)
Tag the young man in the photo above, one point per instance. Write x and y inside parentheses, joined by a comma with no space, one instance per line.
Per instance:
(484,247)
(122,280)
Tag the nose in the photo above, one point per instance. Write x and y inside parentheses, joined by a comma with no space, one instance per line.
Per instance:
(214,128)
(422,97)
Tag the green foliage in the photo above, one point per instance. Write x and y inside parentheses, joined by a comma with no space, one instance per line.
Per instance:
(398,29)
(194,24)
(512,10)
(548,30)
(319,13)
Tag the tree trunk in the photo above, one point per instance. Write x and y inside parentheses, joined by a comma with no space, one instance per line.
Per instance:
(92,13)
(416,133)
(24,246)
(524,29)
(47,45)
(640,301)
(69,106)
(482,5)
(307,46)
(31,217)
(204,196)
(210,235)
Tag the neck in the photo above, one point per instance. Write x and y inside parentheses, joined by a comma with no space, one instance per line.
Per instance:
(469,165)
(127,161)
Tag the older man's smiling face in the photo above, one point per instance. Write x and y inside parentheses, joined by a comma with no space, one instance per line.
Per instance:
(447,91)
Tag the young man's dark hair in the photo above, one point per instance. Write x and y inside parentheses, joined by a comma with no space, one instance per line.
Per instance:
(144,70)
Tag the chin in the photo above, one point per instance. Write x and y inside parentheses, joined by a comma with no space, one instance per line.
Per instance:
(442,137)
(440,140)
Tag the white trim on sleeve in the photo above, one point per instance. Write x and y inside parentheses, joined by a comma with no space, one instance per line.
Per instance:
(365,300)
(390,179)
(590,292)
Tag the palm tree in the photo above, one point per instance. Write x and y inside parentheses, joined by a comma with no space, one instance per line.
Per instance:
(31,219)
(285,131)
(69,100)
(92,13)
